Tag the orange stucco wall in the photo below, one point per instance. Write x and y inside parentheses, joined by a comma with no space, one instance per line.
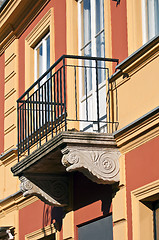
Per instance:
(119,30)
(141,168)
(59,38)
(2,103)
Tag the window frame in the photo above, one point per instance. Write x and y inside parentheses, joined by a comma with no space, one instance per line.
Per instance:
(42,42)
(145,21)
(137,197)
(45,25)
(91,91)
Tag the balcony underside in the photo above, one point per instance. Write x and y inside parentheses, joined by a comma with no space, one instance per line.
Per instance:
(46,171)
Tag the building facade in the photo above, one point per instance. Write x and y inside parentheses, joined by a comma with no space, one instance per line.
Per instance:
(79,119)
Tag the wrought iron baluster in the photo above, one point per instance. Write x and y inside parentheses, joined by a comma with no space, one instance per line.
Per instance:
(86,91)
(28,121)
(64,93)
(39,115)
(75,90)
(97,95)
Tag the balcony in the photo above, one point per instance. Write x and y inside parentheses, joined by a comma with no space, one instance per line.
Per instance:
(65,124)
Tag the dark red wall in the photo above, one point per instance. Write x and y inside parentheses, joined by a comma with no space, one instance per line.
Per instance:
(2,66)
(142,167)
(91,200)
(60,37)
(37,215)
(119,30)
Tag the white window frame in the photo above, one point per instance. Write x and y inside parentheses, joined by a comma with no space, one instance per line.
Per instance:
(145,22)
(94,35)
(43,42)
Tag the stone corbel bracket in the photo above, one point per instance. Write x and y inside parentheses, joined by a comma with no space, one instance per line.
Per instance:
(99,165)
(59,196)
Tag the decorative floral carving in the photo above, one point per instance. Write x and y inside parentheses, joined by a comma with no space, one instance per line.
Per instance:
(59,192)
(101,166)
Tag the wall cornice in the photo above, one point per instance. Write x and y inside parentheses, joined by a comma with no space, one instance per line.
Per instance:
(15,18)
(137,60)
(138,132)
(15,202)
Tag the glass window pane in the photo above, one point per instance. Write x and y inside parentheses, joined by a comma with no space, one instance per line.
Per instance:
(100,45)
(88,70)
(86,8)
(99,229)
(48,52)
(39,61)
(99,15)
(156,17)
(153,18)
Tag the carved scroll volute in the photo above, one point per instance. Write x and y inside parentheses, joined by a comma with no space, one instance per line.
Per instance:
(30,189)
(100,166)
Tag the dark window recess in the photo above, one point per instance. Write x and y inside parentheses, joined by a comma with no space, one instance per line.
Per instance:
(101,229)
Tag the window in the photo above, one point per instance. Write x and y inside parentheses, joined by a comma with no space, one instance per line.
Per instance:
(150,19)
(92,31)
(92,43)
(145,212)
(42,56)
(99,229)
(42,64)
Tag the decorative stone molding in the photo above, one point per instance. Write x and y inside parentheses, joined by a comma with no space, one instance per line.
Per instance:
(100,166)
(59,190)
(44,171)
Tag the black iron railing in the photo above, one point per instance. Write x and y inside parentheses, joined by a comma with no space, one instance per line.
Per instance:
(44,109)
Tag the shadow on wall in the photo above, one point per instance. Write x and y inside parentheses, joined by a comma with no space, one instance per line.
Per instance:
(85,192)
(53,215)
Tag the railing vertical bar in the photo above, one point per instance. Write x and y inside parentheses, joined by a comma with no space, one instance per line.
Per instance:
(31,120)
(18,127)
(45,109)
(116,104)
(57,98)
(51,107)
(25,128)
(28,122)
(48,106)
(97,95)
(39,113)
(34,117)
(23,125)
(55,103)
(64,79)
(75,91)
(42,107)
(108,98)
(61,93)
(85,74)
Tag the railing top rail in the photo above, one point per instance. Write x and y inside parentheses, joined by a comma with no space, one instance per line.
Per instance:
(58,61)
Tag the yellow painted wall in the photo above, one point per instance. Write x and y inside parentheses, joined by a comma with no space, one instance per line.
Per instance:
(134,25)
(10,217)
(11,90)
(138,94)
